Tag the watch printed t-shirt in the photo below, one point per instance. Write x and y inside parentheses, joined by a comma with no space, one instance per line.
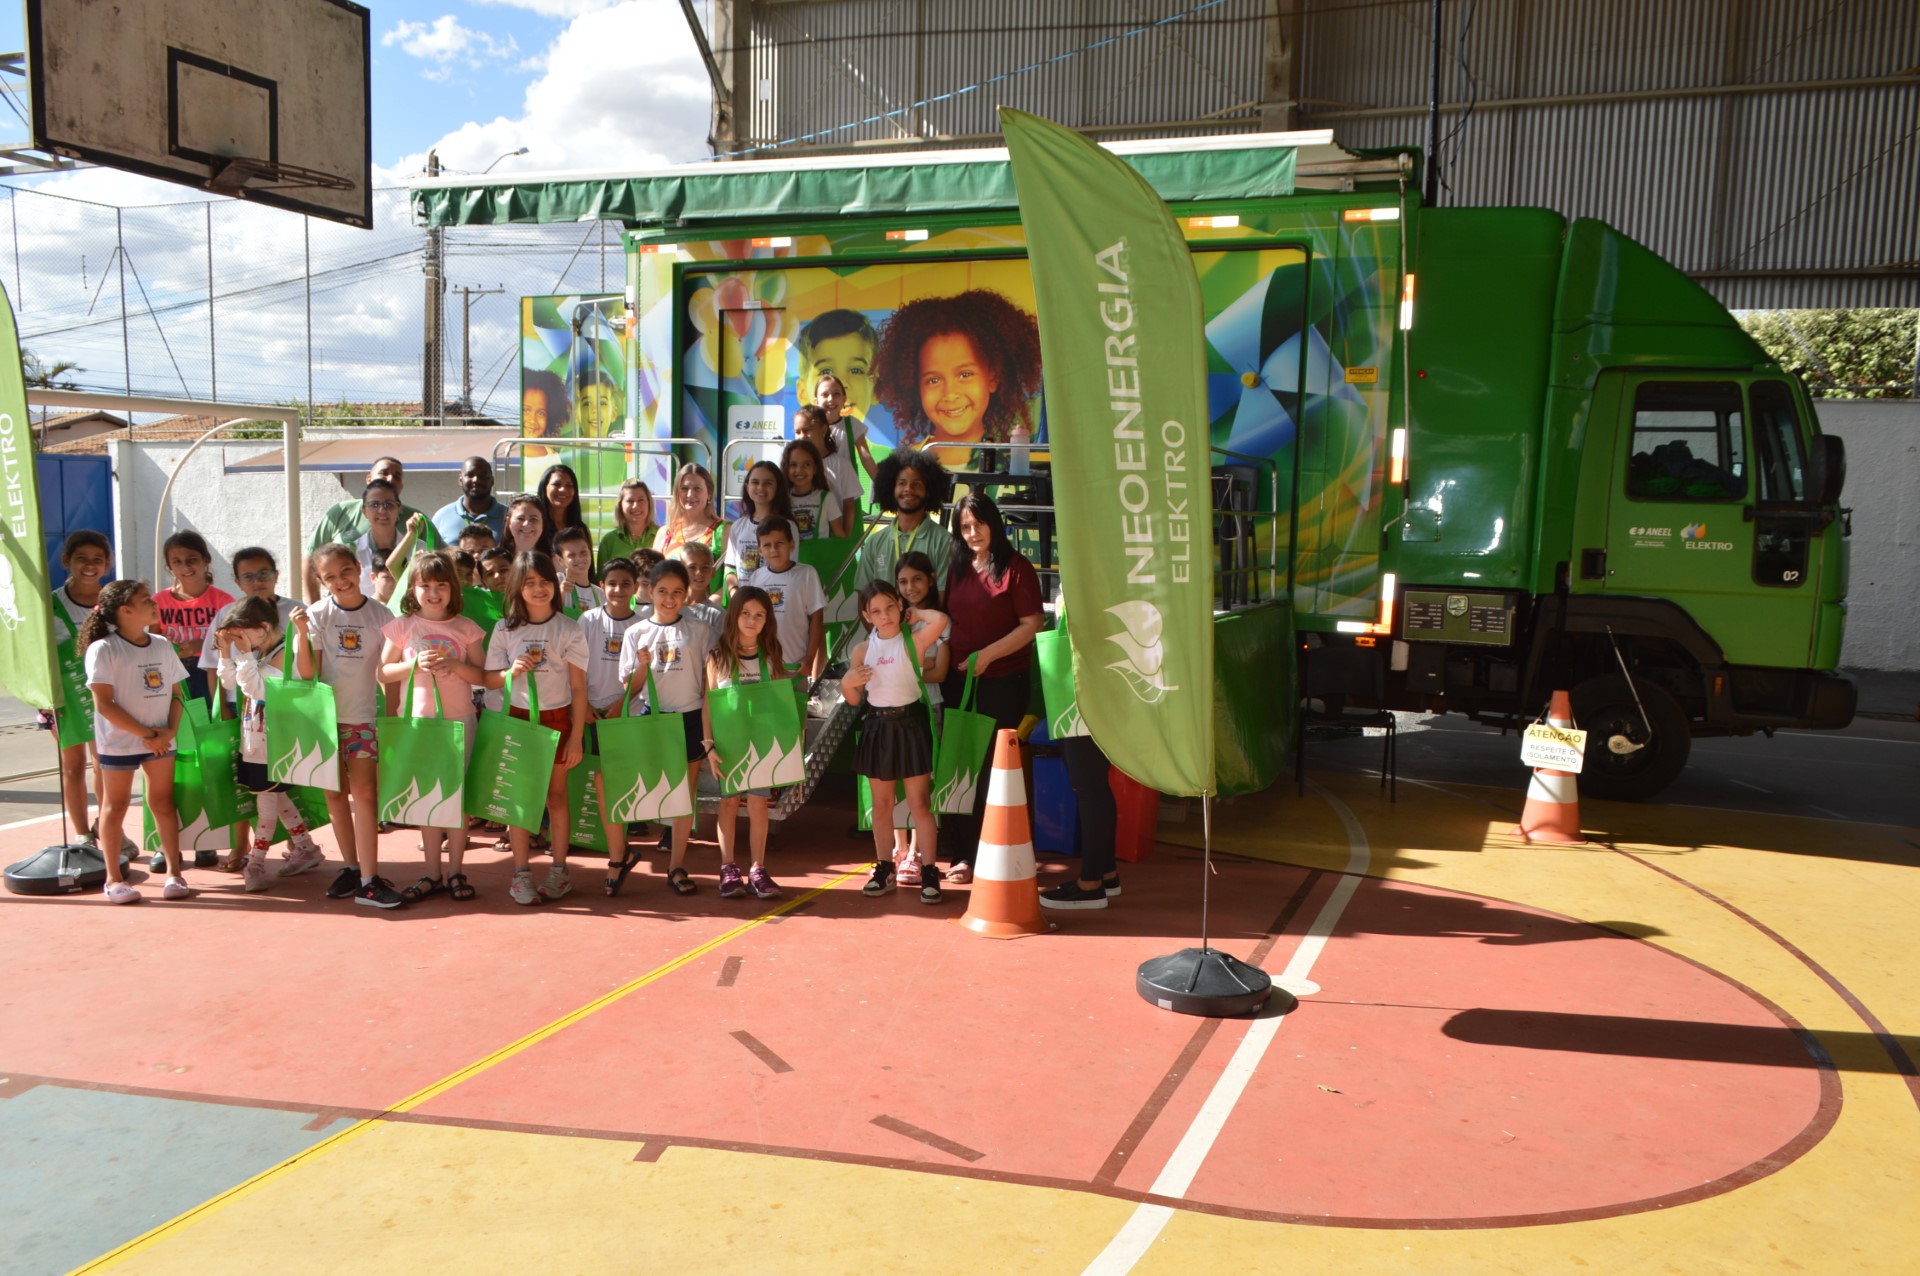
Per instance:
(210,652)
(142,679)
(603,632)
(347,642)
(677,655)
(555,644)
(186,622)
(413,637)
(743,544)
(796,596)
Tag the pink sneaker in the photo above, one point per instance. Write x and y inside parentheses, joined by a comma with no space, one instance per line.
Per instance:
(121,893)
(254,877)
(302,858)
(906,872)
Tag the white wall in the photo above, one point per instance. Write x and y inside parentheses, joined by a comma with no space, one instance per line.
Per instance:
(232,511)
(1883,489)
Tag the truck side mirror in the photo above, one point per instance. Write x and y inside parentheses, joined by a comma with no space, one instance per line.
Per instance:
(1826,470)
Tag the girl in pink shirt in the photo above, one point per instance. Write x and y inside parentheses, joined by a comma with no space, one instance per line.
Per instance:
(188,606)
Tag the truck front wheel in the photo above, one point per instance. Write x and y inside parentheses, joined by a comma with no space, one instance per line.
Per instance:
(1624,762)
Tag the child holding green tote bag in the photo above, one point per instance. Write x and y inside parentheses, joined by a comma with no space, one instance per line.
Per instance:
(250,647)
(896,738)
(549,654)
(338,643)
(757,733)
(667,655)
(435,645)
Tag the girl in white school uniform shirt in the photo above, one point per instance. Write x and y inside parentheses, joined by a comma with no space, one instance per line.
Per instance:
(540,646)
(135,678)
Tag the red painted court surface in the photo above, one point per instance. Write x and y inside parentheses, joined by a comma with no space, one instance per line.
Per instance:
(1457,1061)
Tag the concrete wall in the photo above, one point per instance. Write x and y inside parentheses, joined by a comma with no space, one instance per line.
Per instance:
(1883,489)
(231,510)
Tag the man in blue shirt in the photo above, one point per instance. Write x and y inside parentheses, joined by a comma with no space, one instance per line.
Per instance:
(475,506)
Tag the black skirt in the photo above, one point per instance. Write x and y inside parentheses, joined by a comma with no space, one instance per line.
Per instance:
(896,743)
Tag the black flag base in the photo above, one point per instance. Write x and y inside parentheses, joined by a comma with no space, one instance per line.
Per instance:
(67,869)
(1206,981)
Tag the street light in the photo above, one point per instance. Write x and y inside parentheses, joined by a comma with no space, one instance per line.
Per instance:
(508,155)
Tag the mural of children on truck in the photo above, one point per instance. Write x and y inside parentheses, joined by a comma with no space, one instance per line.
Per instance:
(958,369)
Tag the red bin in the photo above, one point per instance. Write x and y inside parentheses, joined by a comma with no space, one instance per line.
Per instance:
(1137,812)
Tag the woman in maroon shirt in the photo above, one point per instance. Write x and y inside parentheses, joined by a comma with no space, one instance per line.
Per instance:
(993,597)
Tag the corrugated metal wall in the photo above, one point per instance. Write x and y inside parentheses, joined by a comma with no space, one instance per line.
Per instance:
(1770,147)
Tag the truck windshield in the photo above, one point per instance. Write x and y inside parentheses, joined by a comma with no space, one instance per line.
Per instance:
(1688,442)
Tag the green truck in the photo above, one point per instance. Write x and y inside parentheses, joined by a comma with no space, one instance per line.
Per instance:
(1483,453)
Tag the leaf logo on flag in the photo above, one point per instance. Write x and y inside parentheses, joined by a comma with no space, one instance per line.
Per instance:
(1139,638)
(9,603)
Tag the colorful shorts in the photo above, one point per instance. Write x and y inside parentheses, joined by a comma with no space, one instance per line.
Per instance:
(357,740)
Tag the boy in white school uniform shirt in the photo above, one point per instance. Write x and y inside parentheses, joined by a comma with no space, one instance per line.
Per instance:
(603,628)
(799,603)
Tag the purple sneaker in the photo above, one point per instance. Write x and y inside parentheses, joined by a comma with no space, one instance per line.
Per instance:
(731,885)
(761,884)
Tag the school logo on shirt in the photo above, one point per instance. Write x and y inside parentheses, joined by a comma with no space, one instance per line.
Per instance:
(537,652)
(804,519)
(613,646)
(778,595)
(350,642)
(151,679)
(749,560)
(667,656)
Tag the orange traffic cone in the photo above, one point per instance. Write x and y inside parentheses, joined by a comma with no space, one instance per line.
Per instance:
(1005,900)
(1552,813)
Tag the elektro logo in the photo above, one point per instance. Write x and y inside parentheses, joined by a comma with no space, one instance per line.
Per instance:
(1694,536)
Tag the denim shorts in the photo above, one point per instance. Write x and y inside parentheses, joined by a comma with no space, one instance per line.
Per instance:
(129,761)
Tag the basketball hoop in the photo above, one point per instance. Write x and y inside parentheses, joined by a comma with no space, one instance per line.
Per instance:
(237,175)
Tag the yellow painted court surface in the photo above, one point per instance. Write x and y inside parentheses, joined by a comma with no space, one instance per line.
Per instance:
(1813,917)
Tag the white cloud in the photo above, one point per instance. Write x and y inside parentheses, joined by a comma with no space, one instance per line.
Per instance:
(444,42)
(554,8)
(621,87)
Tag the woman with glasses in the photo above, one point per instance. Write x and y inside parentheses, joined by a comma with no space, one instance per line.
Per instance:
(382,542)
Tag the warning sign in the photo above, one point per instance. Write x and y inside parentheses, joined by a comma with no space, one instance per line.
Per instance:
(1556,748)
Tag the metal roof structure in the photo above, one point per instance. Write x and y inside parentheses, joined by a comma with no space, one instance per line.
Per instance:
(1769,148)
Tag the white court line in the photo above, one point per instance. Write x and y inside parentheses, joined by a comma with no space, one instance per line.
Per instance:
(1143,1227)
(38,819)
(1755,787)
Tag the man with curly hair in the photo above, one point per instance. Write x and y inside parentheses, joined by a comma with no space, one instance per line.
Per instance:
(957,370)
(913,487)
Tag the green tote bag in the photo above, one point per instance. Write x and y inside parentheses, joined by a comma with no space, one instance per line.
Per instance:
(1054,654)
(512,762)
(303,730)
(585,829)
(758,733)
(965,739)
(74,718)
(422,764)
(644,763)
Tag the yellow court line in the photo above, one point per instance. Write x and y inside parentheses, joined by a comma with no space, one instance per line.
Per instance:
(146,1240)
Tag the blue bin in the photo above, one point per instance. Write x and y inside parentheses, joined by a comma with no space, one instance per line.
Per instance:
(1056,813)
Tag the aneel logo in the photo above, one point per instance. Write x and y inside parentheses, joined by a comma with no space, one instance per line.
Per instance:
(1139,639)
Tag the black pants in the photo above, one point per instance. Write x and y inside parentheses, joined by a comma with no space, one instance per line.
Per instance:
(1099,818)
(1004,700)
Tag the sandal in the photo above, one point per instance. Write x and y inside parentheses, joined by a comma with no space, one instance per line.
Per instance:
(679,883)
(459,887)
(233,862)
(617,870)
(423,889)
(539,844)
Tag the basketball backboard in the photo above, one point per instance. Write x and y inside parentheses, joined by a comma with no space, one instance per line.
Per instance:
(264,101)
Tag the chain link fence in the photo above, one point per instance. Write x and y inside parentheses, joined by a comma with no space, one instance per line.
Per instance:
(224,299)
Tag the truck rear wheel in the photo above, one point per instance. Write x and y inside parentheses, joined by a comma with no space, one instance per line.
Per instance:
(1624,763)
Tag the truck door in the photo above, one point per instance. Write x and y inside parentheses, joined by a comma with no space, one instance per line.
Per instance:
(1706,467)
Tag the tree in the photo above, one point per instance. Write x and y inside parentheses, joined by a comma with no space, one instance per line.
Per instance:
(1842,354)
(47,376)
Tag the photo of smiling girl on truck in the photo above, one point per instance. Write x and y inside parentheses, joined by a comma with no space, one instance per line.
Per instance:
(958,369)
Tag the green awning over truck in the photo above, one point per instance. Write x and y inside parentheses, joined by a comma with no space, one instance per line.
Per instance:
(884,184)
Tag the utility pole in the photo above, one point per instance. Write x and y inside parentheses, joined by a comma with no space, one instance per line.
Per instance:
(466,341)
(433,388)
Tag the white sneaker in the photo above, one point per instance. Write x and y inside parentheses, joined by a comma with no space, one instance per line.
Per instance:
(522,891)
(300,859)
(558,884)
(121,893)
(254,877)
(176,888)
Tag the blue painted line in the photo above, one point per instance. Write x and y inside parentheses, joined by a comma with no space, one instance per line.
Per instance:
(82,1171)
